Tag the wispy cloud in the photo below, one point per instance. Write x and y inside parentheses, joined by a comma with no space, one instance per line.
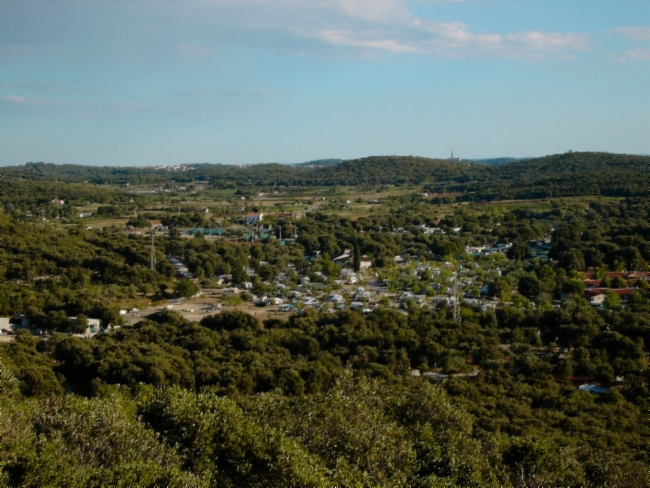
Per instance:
(216,105)
(635,54)
(390,26)
(40,101)
(54,88)
(197,29)
(636,33)
(207,93)
(455,40)
(15,99)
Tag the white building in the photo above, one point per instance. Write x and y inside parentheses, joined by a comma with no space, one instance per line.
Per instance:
(343,258)
(254,218)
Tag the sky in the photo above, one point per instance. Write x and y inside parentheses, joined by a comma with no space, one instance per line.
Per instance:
(164,82)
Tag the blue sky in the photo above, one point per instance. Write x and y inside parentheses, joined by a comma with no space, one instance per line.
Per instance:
(144,82)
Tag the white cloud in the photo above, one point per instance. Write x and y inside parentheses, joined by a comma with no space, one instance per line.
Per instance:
(15,99)
(455,39)
(196,29)
(368,40)
(636,33)
(206,93)
(389,26)
(637,54)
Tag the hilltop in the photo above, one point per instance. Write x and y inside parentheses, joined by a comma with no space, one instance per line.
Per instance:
(568,174)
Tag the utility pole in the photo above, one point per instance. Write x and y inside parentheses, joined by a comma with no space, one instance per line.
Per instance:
(153,251)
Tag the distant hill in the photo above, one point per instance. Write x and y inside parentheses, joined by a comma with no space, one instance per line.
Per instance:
(395,170)
(566,174)
(574,173)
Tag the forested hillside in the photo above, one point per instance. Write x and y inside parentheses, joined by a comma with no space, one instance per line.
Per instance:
(566,174)
(461,364)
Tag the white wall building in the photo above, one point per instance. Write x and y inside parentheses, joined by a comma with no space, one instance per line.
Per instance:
(254,218)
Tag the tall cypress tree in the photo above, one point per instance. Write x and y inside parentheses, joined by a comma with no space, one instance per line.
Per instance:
(356,258)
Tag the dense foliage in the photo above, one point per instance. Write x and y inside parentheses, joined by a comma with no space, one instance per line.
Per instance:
(517,422)
(388,397)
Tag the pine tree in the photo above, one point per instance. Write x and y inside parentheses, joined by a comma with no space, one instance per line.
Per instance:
(356,258)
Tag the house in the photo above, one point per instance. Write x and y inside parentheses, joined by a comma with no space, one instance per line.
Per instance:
(92,325)
(343,258)
(84,215)
(365,262)
(598,299)
(623,293)
(254,218)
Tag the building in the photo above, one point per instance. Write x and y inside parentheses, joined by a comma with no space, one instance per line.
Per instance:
(84,215)
(343,258)
(594,293)
(254,218)
(598,299)
(92,326)
(365,262)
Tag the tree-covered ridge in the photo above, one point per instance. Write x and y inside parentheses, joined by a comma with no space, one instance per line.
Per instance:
(573,173)
(569,174)
(395,170)
(20,193)
(217,174)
